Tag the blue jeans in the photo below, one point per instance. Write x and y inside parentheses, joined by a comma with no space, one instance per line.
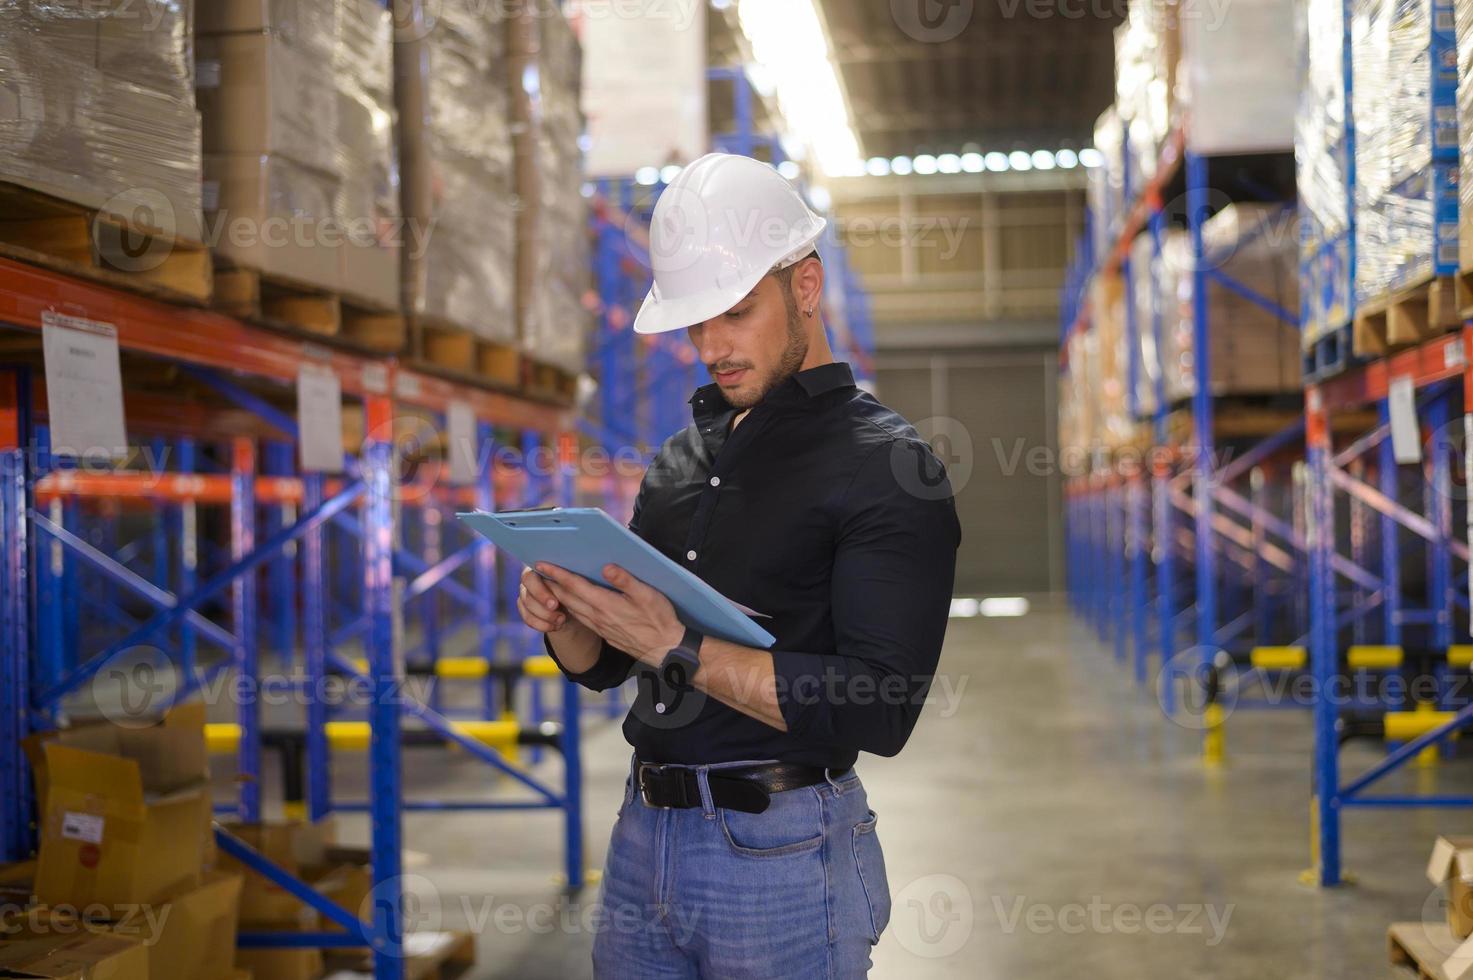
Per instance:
(797,891)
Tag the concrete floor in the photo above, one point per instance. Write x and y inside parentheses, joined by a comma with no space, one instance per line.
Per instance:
(1045,821)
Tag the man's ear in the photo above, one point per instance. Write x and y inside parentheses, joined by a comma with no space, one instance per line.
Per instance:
(808,285)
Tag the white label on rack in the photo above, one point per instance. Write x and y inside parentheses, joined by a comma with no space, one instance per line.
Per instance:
(1452,354)
(406,385)
(460,426)
(376,379)
(84,387)
(86,827)
(316,352)
(319,419)
(1406,437)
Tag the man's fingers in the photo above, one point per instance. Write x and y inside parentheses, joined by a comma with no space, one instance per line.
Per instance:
(575,604)
(626,583)
(535,586)
(537,619)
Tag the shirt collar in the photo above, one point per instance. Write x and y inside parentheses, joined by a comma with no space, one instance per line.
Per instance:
(709,401)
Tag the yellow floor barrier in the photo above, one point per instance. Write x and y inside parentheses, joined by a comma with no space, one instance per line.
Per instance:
(1279,658)
(1373,657)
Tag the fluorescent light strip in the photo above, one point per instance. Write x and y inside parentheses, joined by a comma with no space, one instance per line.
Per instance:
(788,42)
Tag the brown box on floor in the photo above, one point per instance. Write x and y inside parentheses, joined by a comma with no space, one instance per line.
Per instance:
(294,846)
(1451,866)
(125,812)
(196,931)
(77,956)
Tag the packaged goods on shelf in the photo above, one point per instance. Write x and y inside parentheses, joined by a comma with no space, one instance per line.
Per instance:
(1463,22)
(1406,144)
(1114,425)
(1321,146)
(1076,398)
(1147,48)
(1239,76)
(1253,351)
(298,124)
(451,88)
(554,263)
(1105,193)
(100,111)
(1146,300)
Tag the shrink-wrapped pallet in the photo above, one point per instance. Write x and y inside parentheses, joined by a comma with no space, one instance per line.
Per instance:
(97,110)
(1406,143)
(1321,144)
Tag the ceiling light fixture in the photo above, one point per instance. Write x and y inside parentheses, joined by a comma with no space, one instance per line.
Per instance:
(877,167)
(1067,158)
(1091,157)
(1020,160)
(1043,160)
(901,166)
(925,164)
(973,163)
(996,162)
(786,37)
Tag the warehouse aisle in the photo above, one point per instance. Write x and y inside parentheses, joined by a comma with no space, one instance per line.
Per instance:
(1044,821)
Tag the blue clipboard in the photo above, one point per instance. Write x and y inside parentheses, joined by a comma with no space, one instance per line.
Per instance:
(585,539)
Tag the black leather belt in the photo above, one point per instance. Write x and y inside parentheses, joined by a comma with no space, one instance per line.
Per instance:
(748,789)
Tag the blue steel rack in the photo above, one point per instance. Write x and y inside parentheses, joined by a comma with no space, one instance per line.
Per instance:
(42,557)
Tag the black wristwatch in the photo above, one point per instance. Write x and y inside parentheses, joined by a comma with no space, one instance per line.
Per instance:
(679,667)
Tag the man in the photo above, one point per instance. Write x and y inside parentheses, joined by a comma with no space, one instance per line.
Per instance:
(745,846)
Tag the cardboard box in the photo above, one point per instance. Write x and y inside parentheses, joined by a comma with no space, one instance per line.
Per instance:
(274,215)
(171,753)
(84,956)
(296,20)
(1451,866)
(105,840)
(17,883)
(258,94)
(196,931)
(294,846)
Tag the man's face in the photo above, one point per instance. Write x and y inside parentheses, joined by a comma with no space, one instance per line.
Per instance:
(756,345)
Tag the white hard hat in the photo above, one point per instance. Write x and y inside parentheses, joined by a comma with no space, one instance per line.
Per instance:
(724,222)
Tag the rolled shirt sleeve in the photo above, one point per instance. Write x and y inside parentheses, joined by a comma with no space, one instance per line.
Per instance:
(894,567)
(610,669)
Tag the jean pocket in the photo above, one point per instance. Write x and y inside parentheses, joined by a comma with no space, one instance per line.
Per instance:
(628,794)
(870,860)
(791,824)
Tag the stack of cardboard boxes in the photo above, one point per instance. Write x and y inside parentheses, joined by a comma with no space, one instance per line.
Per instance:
(125,851)
(97,108)
(300,174)
(553,256)
(307,851)
(451,89)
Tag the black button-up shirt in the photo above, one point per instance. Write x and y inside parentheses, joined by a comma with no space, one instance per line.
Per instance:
(827,511)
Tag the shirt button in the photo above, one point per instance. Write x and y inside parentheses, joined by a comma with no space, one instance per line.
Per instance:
(690,556)
(715,481)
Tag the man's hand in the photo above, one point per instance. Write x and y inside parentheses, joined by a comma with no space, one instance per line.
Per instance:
(636,618)
(540,609)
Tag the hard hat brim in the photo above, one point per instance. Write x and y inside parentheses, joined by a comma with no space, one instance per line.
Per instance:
(658,315)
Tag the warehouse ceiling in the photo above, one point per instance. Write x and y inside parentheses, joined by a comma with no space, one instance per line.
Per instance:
(929,76)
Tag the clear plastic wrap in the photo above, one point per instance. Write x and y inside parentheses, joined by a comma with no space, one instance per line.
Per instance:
(1114,425)
(1253,350)
(1463,22)
(466,275)
(1145,73)
(1404,66)
(99,112)
(1105,192)
(557,324)
(1145,296)
(1320,145)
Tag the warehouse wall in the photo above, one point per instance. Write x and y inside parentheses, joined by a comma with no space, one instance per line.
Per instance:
(990,414)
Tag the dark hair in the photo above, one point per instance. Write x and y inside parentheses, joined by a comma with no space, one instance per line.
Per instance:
(785,276)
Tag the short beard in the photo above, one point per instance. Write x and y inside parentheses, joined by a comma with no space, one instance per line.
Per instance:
(793,356)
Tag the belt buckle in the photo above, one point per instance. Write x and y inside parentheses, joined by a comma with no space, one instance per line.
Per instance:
(644,794)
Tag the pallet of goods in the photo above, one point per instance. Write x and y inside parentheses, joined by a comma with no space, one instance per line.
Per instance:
(100,177)
(451,90)
(301,187)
